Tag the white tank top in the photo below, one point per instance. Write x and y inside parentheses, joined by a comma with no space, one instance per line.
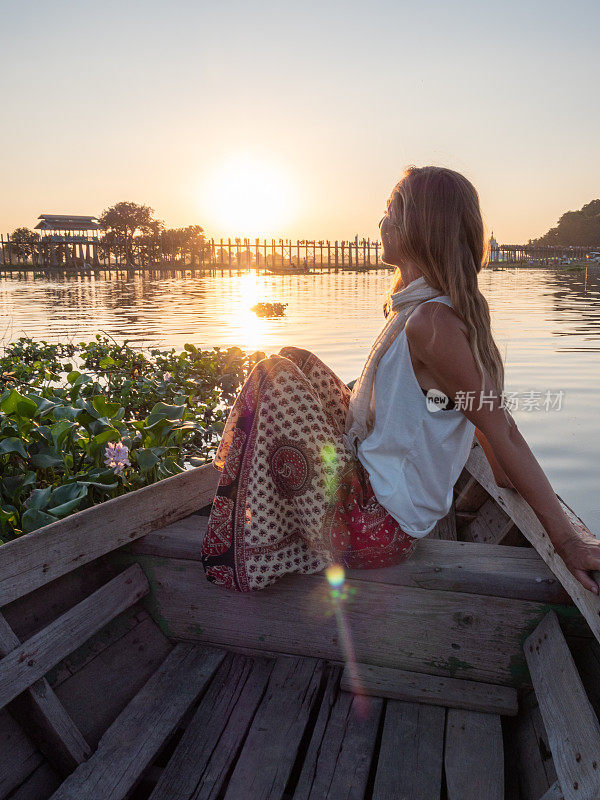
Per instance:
(413,456)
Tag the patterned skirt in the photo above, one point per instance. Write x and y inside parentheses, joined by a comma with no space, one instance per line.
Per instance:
(291,498)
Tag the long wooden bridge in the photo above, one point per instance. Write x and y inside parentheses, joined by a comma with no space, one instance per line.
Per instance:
(76,251)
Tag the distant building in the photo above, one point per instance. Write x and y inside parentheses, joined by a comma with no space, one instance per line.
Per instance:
(494,249)
(68,239)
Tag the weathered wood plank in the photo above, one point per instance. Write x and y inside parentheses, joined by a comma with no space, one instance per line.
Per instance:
(138,733)
(492,525)
(27,663)
(410,758)
(469,493)
(474,756)
(588,668)
(572,726)
(429,689)
(193,525)
(182,539)
(486,569)
(39,785)
(338,757)
(29,614)
(468,636)
(201,762)
(19,757)
(44,717)
(554,793)
(541,735)
(116,629)
(92,696)
(464,518)
(271,747)
(46,721)
(496,570)
(445,529)
(528,741)
(526,520)
(595,647)
(38,557)
(512,790)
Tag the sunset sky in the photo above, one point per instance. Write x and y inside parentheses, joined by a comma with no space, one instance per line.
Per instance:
(281,119)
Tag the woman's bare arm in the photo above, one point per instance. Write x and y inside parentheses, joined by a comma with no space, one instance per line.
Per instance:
(438,340)
(500,476)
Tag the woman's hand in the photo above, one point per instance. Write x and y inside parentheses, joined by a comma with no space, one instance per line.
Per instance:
(581,554)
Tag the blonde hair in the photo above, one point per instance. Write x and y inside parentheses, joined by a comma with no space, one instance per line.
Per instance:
(438,226)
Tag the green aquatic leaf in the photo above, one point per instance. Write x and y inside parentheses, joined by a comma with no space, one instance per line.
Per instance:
(67,412)
(10,404)
(146,459)
(26,408)
(67,492)
(33,519)
(44,405)
(81,379)
(8,514)
(104,408)
(65,509)
(12,444)
(39,498)
(60,431)
(46,458)
(14,485)
(162,411)
(109,435)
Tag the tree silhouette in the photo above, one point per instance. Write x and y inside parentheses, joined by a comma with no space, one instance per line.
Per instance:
(126,219)
(23,241)
(576,228)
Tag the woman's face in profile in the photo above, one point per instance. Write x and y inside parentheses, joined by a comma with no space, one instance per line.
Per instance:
(386,231)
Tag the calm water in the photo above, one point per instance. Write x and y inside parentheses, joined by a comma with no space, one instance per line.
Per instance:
(546,322)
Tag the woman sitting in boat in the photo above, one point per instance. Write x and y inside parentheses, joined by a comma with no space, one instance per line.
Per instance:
(314,474)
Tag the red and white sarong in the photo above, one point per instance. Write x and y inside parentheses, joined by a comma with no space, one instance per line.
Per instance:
(291,498)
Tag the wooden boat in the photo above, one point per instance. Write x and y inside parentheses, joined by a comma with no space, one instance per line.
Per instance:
(471,671)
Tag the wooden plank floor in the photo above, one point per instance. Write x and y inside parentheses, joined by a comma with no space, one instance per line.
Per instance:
(282,728)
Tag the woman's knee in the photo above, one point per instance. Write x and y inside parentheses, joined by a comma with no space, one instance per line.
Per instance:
(295,354)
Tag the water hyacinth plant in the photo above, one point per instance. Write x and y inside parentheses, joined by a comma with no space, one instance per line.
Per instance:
(82,423)
(115,457)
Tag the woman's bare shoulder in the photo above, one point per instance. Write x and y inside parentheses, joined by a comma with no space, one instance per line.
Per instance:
(429,320)
(438,339)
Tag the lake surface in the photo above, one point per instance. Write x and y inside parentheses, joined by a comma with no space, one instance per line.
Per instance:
(546,323)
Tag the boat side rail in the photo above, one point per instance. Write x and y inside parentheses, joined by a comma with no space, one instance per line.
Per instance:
(41,556)
(532,529)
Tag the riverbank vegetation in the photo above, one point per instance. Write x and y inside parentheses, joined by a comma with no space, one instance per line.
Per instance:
(81,423)
(580,227)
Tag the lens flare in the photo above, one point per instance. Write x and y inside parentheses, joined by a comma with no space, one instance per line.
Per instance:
(335,575)
(340,594)
(329,459)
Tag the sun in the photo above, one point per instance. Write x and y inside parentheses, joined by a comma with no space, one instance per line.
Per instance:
(249,197)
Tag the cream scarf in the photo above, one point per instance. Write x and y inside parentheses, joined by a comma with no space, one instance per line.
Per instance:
(360,418)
